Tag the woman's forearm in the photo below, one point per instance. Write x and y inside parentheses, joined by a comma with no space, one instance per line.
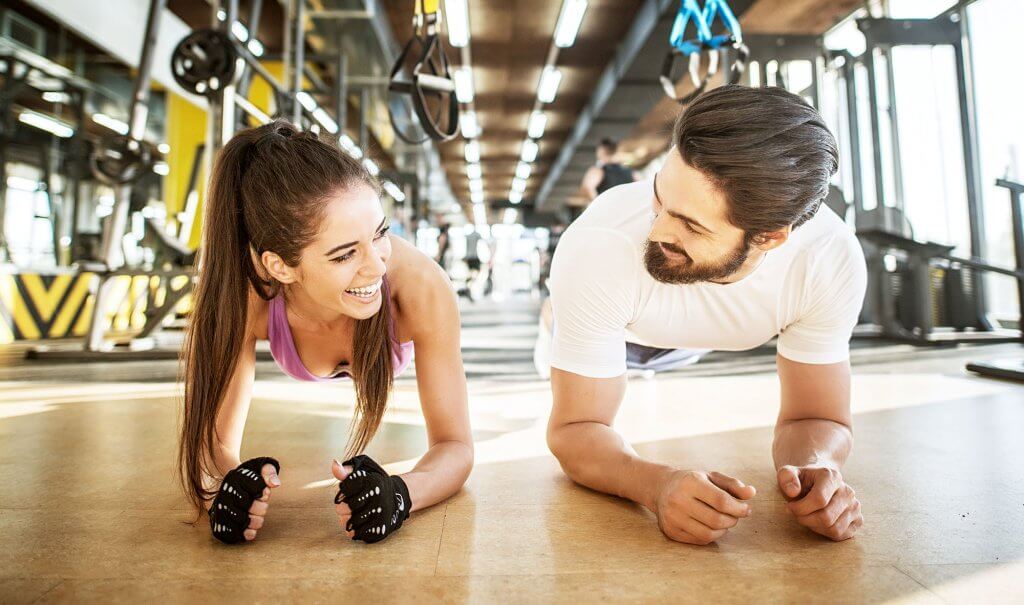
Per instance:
(439,474)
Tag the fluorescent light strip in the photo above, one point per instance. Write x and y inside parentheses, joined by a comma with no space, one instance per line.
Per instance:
(569,22)
(550,79)
(242,33)
(515,197)
(470,127)
(519,185)
(56,97)
(325,120)
(530,150)
(523,170)
(464,84)
(510,216)
(371,166)
(306,100)
(22,184)
(476,185)
(458,22)
(162,168)
(538,121)
(163,148)
(472,152)
(474,171)
(479,213)
(394,191)
(50,125)
(108,122)
(477,197)
(350,146)
(255,47)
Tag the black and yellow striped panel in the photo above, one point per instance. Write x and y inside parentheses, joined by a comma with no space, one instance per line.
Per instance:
(36,306)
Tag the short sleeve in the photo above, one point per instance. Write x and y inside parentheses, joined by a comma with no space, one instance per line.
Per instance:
(593,294)
(834,295)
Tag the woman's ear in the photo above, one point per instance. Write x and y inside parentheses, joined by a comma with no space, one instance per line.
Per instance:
(275,266)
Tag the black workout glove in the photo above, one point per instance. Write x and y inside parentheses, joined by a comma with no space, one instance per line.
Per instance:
(229,513)
(379,502)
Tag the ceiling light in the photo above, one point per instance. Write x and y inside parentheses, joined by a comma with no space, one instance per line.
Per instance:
(371,166)
(242,33)
(350,146)
(569,22)
(50,125)
(477,197)
(255,47)
(394,191)
(519,185)
(162,168)
(306,100)
(163,148)
(473,152)
(479,213)
(325,120)
(530,149)
(538,120)
(464,84)
(470,127)
(550,78)
(510,216)
(56,97)
(474,171)
(515,197)
(22,184)
(458,22)
(106,121)
(523,170)
(476,185)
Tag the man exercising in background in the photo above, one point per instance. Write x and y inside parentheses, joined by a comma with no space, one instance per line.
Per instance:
(726,248)
(602,176)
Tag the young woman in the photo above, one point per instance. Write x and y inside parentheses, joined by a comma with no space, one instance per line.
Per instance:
(296,252)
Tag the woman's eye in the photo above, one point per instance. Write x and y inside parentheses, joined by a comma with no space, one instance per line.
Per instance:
(383,232)
(344,257)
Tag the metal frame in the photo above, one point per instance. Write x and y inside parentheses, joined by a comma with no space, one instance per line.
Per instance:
(884,34)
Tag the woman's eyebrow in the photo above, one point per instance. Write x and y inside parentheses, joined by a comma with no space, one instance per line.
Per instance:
(350,244)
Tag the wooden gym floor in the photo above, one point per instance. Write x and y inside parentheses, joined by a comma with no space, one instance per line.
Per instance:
(89,508)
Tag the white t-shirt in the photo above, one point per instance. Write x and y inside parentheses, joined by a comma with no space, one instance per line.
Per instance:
(808,292)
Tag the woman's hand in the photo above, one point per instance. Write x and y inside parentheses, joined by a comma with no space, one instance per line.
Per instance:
(240,506)
(371,505)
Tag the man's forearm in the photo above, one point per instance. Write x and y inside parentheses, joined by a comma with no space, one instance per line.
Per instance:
(594,455)
(810,442)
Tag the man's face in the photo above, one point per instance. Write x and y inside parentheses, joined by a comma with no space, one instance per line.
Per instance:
(691,239)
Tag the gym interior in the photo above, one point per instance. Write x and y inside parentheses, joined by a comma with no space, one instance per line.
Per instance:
(482,123)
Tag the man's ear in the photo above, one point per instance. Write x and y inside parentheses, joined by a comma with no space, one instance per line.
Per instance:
(278,269)
(770,240)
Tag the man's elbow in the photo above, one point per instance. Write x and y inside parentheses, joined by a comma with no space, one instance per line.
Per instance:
(561,446)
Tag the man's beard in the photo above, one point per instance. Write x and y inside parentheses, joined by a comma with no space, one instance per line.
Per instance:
(669,271)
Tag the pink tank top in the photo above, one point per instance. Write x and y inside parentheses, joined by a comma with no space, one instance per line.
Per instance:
(282,345)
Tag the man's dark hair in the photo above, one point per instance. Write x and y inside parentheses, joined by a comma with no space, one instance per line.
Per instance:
(766,149)
(610,145)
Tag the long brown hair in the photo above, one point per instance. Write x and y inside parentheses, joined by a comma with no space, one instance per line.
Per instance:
(268,191)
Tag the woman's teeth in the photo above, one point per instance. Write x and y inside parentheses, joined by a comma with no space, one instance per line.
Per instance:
(366,291)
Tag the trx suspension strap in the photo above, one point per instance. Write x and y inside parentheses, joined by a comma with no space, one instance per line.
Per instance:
(693,48)
(426,80)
